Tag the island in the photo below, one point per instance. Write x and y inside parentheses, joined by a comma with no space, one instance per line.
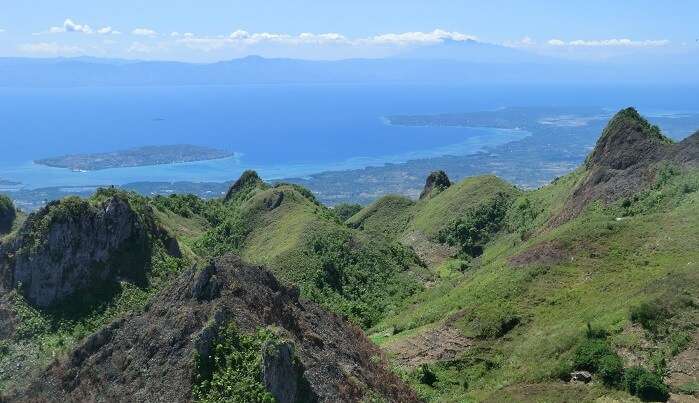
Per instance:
(135,157)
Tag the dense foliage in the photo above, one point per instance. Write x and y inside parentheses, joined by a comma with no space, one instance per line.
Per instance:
(233,372)
(358,277)
(475,229)
(344,210)
(7,214)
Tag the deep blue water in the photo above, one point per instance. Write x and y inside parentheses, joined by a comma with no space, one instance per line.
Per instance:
(282,130)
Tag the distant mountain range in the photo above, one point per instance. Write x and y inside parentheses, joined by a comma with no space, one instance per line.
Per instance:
(449,61)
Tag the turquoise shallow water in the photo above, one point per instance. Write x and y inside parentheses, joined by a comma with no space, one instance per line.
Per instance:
(279,130)
(32,175)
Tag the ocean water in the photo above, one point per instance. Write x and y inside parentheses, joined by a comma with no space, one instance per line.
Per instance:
(280,130)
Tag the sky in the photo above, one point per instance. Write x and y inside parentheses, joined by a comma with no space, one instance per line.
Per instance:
(211,30)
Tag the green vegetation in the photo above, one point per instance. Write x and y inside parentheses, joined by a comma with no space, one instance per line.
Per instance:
(476,227)
(611,266)
(7,214)
(645,384)
(344,210)
(233,371)
(43,334)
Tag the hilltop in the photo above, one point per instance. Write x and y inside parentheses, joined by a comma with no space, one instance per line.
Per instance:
(584,289)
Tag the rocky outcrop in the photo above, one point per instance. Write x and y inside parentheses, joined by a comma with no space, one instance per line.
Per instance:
(75,244)
(436,181)
(7,214)
(248,181)
(280,372)
(149,356)
(625,160)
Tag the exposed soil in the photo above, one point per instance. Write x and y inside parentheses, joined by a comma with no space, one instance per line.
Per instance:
(441,344)
(545,253)
(684,367)
(432,254)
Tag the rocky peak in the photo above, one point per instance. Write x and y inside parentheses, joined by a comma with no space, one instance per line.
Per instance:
(248,180)
(318,357)
(628,139)
(76,244)
(437,180)
(624,161)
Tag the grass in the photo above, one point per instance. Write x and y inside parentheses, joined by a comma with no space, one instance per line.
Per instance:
(612,266)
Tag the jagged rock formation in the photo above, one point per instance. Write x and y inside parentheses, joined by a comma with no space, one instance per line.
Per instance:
(624,161)
(437,180)
(74,244)
(247,181)
(7,214)
(149,356)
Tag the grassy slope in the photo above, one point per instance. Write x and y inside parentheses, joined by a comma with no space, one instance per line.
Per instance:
(610,265)
(304,243)
(396,215)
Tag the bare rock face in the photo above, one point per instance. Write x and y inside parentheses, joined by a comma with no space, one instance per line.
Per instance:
(437,180)
(624,161)
(149,356)
(280,372)
(72,245)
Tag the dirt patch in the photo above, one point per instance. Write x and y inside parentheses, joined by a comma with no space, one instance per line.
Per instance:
(441,344)
(545,253)
(431,253)
(684,367)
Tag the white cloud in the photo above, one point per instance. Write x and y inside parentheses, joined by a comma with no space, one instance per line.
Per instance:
(523,42)
(624,42)
(108,31)
(242,38)
(47,48)
(144,32)
(411,38)
(71,26)
(2,31)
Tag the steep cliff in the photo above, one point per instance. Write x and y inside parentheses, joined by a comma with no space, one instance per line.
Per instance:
(74,244)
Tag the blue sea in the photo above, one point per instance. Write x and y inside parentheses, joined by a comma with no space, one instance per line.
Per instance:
(279,130)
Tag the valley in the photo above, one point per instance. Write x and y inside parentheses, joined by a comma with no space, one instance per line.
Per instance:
(474,289)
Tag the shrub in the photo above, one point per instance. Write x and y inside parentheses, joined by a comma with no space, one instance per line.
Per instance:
(649,315)
(426,376)
(233,373)
(589,354)
(648,386)
(611,369)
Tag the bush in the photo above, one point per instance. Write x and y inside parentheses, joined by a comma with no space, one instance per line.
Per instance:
(649,315)
(426,376)
(590,353)
(647,385)
(233,373)
(611,369)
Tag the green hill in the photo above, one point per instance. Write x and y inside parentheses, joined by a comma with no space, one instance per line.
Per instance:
(621,275)
(478,291)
